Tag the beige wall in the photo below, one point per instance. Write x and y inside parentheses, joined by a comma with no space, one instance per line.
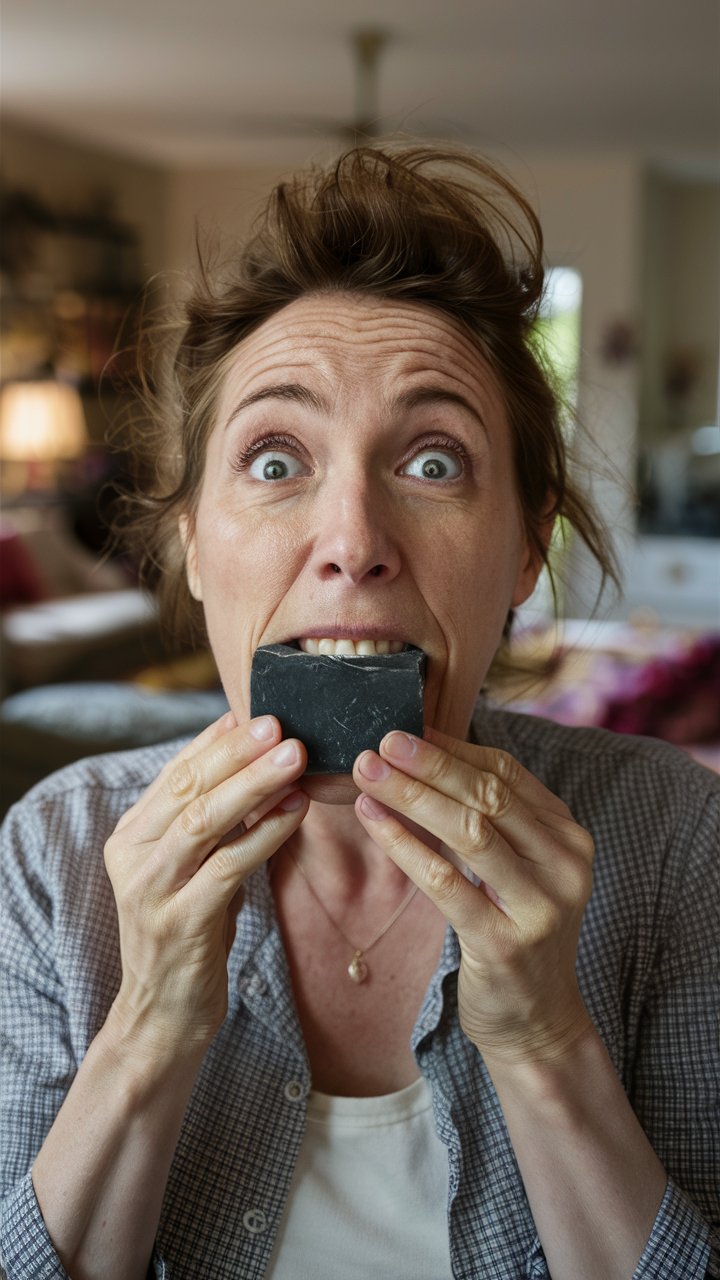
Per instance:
(682,291)
(219,204)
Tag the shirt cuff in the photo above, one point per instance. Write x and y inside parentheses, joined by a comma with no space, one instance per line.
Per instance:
(679,1243)
(26,1250)
(25,1246)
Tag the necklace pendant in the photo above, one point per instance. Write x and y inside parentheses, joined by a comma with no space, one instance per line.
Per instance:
(357,968)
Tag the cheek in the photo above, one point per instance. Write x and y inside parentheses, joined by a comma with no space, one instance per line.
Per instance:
(247,566)
(473,577)
(471,587)
(241,555)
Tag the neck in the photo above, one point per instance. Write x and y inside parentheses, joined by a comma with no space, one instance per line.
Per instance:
(332,839)
(335,849)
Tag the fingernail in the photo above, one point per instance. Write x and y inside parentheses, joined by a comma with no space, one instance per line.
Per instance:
(372,809)
(400,745)
(295,800)
(287,753)
(262,729)
(372,767)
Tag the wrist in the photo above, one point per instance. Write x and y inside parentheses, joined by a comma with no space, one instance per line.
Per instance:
(146,1053)
(554,1075)
(565,1051)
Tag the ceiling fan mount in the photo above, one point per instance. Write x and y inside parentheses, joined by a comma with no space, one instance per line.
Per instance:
(368,45)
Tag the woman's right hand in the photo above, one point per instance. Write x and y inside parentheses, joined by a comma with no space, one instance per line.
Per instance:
(177,861)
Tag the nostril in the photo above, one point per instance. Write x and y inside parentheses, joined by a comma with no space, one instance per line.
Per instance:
(375,572)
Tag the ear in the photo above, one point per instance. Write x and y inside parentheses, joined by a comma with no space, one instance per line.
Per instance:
(186,529)
(533,562)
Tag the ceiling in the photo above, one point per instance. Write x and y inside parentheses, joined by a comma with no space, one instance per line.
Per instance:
(181,83)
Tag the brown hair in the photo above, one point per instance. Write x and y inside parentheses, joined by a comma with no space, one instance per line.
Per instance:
(437,226)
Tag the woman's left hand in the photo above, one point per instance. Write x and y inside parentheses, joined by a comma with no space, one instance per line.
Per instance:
(518,929)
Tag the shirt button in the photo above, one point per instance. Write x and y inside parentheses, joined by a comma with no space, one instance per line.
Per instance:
(294,1090)
(255,1221)
(254,985)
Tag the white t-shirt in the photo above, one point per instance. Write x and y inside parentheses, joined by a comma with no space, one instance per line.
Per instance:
(369,1194)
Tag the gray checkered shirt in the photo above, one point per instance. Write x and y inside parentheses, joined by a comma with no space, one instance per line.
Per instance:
(647,965)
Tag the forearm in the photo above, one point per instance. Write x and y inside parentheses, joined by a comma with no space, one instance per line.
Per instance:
(592,1179)
(101,1174)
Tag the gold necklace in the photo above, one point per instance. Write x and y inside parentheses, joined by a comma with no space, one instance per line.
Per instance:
(357,968)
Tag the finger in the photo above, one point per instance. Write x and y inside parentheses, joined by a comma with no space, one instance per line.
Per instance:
(535,832)
(543,843)
(192,775)
(224,724)
(228,866)
(463,905)
(503,765)
(458,824)
(203,825)
(269,803)
(571,835)
(477,797)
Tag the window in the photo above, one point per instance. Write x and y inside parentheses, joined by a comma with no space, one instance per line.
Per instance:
(557,337)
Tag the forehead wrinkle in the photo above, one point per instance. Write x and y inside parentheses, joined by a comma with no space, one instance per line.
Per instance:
(297,342)
(471,371)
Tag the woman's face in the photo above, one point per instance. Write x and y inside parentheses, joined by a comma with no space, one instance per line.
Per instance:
(359,484)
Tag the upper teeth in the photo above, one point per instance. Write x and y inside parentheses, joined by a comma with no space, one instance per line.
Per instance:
(356,648)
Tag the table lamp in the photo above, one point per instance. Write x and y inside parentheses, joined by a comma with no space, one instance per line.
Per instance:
(42,425)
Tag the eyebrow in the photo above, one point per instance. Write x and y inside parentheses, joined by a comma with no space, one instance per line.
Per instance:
(293,391)
(413,398)
(417,396)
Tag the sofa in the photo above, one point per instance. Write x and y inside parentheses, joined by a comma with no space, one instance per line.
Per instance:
(85,667)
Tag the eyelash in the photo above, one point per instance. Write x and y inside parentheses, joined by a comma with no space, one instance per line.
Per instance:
(246,456)
(447,443)
(276,441)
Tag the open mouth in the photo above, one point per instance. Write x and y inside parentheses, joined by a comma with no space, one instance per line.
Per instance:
(348,648)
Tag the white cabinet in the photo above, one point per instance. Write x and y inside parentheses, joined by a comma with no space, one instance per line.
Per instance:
(677,578)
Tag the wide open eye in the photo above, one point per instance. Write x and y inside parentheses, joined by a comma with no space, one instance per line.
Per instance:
(274,464)
(434,464)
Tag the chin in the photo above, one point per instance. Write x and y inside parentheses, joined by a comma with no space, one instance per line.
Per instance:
(330,788)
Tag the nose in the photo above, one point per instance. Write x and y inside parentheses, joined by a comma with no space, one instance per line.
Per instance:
(355,540)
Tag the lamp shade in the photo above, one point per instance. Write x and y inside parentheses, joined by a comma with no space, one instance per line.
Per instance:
(41,421)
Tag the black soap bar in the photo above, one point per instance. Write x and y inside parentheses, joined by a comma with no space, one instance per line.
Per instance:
(338,706)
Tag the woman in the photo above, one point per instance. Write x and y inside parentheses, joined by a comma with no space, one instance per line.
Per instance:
(364,449)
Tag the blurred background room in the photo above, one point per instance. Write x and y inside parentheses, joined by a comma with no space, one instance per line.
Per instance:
(128,128)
